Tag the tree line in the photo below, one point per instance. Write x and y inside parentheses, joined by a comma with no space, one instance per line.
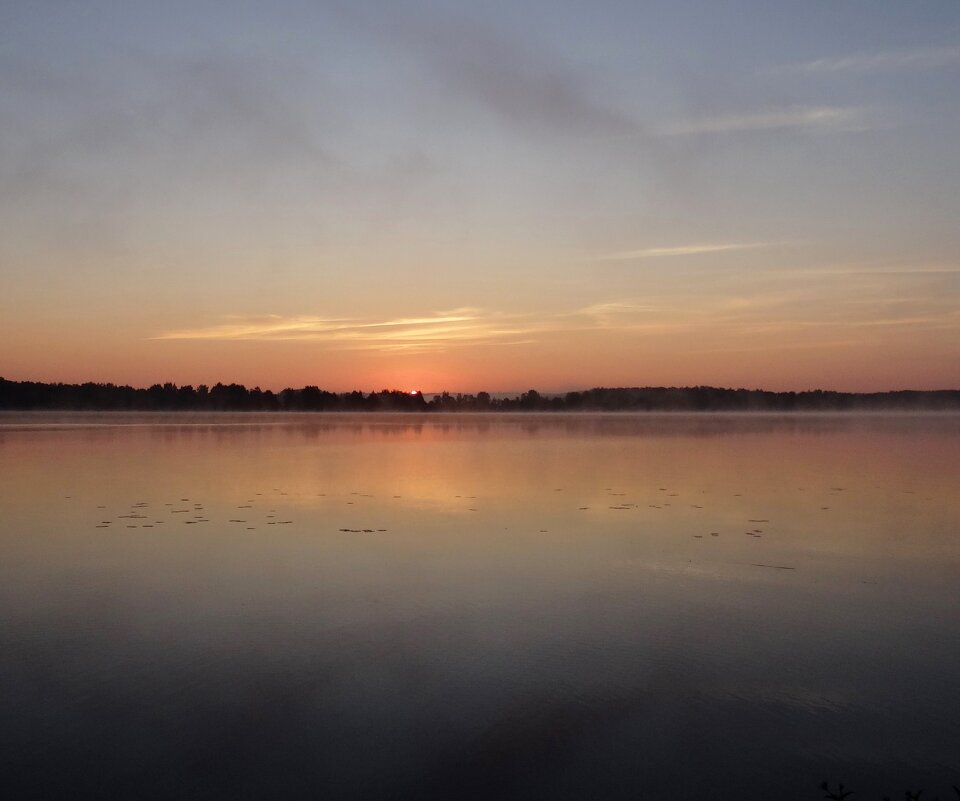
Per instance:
(90,396)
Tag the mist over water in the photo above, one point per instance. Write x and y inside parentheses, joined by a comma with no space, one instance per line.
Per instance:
(478,607)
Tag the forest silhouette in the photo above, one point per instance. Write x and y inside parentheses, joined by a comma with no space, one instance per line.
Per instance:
(30,395)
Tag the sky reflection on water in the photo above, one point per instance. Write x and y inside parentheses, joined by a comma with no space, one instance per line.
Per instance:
(660,606)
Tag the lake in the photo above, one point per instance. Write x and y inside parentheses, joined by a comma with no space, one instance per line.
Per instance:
(478,606)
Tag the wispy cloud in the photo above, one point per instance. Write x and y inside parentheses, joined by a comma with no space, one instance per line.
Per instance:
(895,270)
(802,311)
(433,332)
(617,307)
(831,344)
(686,312)
(271,326)
(917,58)
(684,250)
(813,118)
(796,307)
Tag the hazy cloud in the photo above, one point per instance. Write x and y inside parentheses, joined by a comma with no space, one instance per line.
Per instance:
(219,116)
(509,77)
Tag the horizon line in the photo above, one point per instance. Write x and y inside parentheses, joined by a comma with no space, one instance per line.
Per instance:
(492,393)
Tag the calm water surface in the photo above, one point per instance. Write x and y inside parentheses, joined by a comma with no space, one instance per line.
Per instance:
(478,607)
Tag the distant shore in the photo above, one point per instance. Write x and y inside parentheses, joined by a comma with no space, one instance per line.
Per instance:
(37,396)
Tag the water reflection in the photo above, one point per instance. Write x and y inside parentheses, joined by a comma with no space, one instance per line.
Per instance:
(553,606)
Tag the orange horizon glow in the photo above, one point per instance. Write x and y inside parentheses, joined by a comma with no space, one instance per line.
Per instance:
(510,209)
(776,335)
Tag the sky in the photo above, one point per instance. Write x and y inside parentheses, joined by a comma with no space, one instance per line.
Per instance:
(481,196)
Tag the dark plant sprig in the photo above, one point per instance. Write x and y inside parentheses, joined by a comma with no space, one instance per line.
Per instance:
(910,795)
(835,795)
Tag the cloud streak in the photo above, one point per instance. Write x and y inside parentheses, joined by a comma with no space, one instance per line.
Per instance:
(936,269)
(684,250)
(813,118)
(433,332)
(917,58)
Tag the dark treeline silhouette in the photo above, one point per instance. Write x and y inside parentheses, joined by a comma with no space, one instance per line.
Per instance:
(29,395)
